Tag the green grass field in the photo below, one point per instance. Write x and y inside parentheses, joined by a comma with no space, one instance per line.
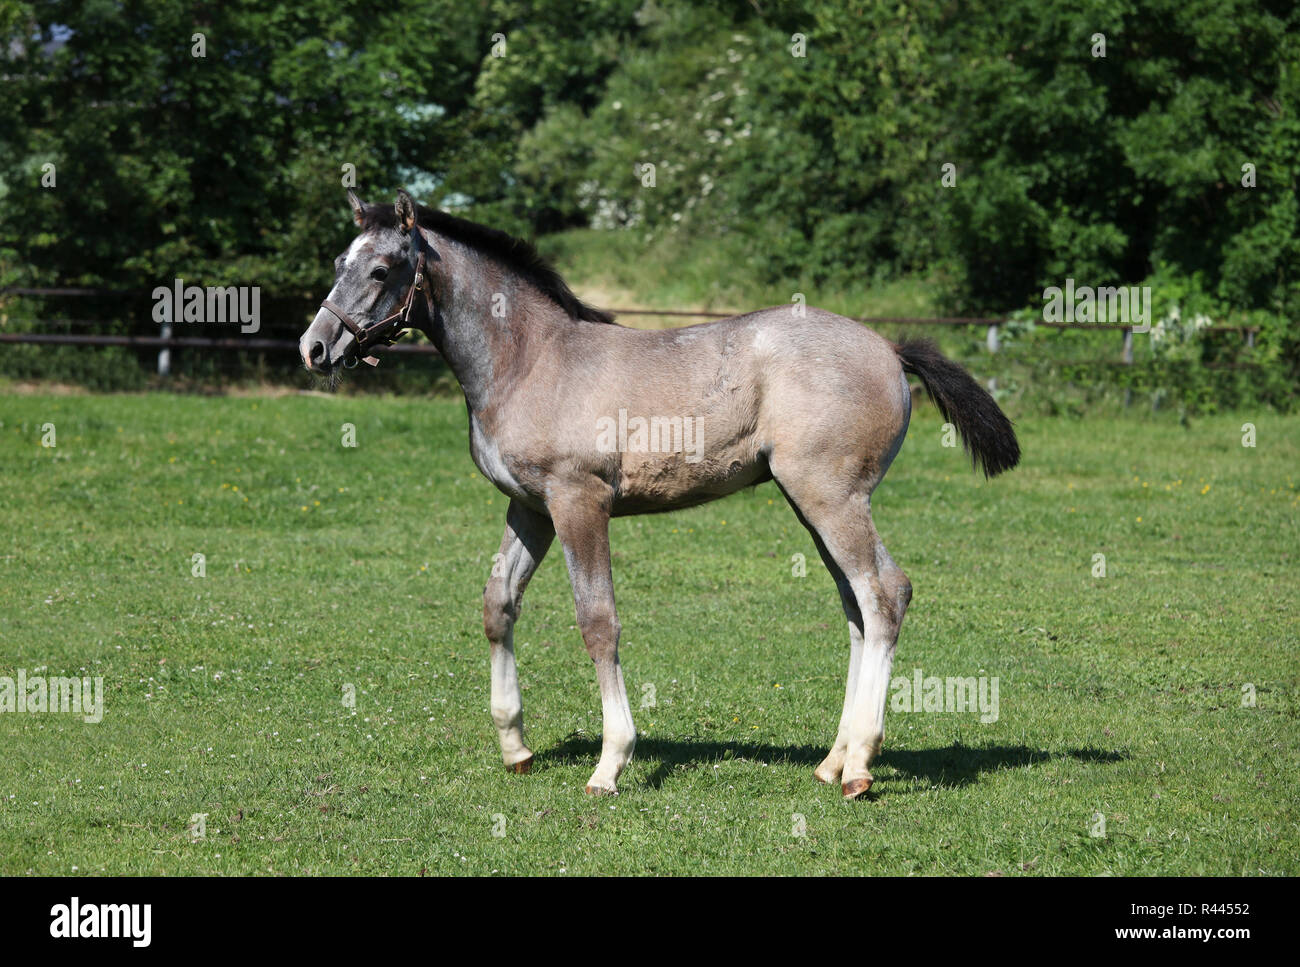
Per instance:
(329,568)
(675,271)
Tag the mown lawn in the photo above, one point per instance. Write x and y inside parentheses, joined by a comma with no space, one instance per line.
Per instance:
(329,568)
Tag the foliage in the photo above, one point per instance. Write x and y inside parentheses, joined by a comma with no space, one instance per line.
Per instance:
(812,137)
(223,168)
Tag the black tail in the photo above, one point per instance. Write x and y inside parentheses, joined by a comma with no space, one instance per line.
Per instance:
(985,430)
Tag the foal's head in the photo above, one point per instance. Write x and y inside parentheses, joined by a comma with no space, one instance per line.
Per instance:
(371,281)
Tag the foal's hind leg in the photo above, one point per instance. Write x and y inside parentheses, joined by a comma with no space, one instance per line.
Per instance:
(883,597)
(839,515)
(830,768)
(528,536)
(881,591)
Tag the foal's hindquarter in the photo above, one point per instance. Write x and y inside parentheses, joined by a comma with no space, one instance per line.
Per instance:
(817,402)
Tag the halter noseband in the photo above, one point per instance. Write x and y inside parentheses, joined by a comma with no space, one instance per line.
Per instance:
(386,331)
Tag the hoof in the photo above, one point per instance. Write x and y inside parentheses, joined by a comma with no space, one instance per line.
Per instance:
(856,787)
(601,791)
(825,775)
(522,766)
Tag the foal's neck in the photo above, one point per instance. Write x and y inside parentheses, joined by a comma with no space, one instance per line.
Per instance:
(486,320)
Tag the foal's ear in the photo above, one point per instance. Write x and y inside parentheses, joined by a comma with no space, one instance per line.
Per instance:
(405,210)
(358,206)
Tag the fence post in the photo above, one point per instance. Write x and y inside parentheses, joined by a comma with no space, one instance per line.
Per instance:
(1250,337)
(164,352)
(1128,346)
(993,338)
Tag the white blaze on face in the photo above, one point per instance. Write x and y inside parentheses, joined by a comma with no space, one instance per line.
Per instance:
(353,249)
(348,258)
(326,328)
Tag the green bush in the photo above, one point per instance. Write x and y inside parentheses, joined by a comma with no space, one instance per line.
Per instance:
(993,148)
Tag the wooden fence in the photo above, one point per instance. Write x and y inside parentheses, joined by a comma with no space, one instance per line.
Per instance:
(165,341)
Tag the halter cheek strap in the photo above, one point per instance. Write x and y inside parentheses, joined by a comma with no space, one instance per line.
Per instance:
(386,331)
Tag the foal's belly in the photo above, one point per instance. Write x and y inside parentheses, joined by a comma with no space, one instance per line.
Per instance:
(663,482)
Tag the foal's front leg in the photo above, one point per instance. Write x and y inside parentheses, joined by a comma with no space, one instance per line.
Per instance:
(528,536)
(583,527)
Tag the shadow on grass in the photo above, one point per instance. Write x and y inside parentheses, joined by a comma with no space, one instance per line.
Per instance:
(954,765)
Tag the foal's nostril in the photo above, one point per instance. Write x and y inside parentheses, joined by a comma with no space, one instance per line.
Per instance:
(318,352)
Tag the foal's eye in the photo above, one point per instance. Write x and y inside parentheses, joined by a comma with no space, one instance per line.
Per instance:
(379,274)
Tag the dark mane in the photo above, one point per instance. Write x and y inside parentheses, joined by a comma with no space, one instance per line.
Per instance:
(513,252)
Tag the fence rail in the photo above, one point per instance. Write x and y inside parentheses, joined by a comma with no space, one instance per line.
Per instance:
(166,342)
(187,342)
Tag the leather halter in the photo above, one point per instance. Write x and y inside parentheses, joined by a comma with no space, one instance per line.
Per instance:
(386,331)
